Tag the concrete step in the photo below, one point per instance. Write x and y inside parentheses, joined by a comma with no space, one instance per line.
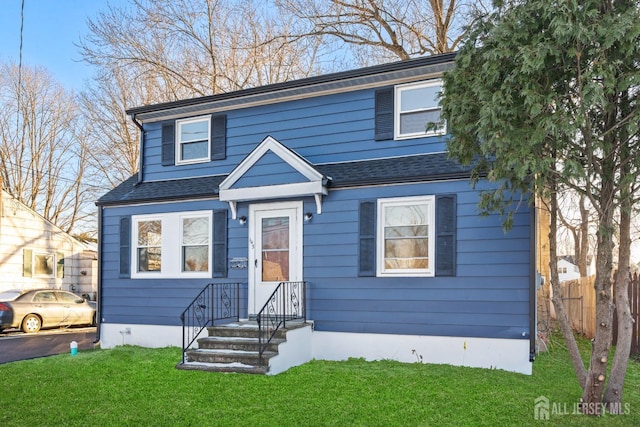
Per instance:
(236,343)
(248,329)
(233,347)
(251,358)
(224,367)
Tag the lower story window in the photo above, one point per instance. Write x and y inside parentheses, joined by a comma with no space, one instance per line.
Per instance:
(44,265)
(149,245)
(406,236)
(172,245)
(195,244)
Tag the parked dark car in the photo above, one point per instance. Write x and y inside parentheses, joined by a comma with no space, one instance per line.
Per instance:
(44,308)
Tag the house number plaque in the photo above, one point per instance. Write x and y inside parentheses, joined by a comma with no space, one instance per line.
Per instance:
(238,263)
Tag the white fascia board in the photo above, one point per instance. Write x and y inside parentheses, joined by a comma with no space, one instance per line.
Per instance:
(273,191)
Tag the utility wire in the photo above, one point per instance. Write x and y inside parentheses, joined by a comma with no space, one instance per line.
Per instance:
(19,91)
(20,65)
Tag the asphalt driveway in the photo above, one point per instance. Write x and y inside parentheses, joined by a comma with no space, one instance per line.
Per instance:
(16,345)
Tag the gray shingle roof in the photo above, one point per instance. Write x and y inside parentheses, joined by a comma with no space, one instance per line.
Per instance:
(179,189)
(427,167)
(336,81)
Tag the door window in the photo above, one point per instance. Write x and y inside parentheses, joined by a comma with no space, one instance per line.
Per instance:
(275,249)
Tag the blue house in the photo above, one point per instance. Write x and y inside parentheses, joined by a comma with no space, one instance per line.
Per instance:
(322,216)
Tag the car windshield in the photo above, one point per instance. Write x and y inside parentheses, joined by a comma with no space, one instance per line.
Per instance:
(9,295)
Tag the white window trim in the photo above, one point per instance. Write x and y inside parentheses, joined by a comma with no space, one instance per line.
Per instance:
(171,246)
(208,215)
(396,111)
(401,201)
(179,124)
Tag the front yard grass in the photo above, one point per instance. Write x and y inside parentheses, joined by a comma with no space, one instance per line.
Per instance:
(138,386)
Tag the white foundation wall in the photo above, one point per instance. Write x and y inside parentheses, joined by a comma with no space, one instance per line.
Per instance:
(297,350)
(490,353)
(152,336)
(304,345)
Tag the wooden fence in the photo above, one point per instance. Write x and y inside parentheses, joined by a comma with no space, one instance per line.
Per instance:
(580,304)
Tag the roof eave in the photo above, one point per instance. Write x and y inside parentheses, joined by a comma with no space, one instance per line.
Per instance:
(138,201)
(432,60)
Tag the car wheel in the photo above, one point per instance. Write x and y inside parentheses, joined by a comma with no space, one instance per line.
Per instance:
(31,324)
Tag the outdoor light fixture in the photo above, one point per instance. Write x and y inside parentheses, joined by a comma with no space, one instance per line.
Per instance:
(242,220)
(308,216)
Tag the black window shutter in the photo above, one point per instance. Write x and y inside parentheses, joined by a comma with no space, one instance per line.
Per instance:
(384,114)
(168,144)
(367,237)
(219,242)
(446,225)
(125,246)
(219,137)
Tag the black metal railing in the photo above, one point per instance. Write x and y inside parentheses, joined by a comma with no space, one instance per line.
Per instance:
(286,303)
(216,302)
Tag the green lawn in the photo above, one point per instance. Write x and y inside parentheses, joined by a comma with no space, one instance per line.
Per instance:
(137,386)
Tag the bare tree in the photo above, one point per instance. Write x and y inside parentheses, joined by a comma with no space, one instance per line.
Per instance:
(150,51)
(153,51)
(193,48)
(42,156)
(576,219)
(383,30)
(115,141)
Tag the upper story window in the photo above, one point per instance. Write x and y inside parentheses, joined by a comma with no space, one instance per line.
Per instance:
(416,105)
(194,140)
(406,236)
(193,137)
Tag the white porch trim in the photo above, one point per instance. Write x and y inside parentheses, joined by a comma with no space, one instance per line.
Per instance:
(316,185)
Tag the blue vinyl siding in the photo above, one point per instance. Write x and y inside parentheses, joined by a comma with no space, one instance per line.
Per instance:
(155,301)
(323,129)
(487,298)
(272,166)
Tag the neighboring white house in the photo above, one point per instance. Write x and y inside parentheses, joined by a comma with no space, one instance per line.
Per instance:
(35,253)
(568,268)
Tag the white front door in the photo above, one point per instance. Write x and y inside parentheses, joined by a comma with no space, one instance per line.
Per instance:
(275,249)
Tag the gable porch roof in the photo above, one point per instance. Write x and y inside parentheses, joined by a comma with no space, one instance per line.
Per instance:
(314,183)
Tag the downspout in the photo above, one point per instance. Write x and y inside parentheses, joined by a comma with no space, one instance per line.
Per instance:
(140,156)
(99,294)
(533,282)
